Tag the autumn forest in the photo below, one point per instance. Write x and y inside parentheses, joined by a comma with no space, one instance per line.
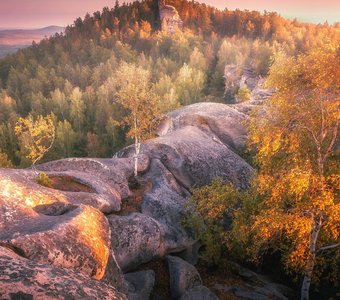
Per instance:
(110,79)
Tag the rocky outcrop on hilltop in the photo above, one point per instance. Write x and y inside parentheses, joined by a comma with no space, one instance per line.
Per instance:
(170,19)
(92,238)
(237,77)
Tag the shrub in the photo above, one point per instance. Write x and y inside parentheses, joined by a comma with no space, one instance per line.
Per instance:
(43,179)
(219,216)
(4,161)
(243,94)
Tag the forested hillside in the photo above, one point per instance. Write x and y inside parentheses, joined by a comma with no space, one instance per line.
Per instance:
(73,74)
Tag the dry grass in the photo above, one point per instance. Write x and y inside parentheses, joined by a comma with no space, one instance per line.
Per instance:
(69,184)
(134,202)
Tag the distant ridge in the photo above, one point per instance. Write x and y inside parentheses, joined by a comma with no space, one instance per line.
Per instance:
(11,37)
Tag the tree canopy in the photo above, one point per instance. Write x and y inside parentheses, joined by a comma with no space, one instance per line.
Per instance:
(135,94)
(296,138)
(72,74)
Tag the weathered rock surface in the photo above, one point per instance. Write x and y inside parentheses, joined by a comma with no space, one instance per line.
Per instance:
(108,177)
(170,20)
(217,120)
(244,77)
(136,239)
(183,276)
(199,293)
(140,284)
(164,203)
(68,229)
(203,158)
(255,287)
(50,239)
(21,278)
(45,228)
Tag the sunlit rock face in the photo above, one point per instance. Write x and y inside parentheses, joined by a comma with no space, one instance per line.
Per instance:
(218,120)
(87,232)
(170,19)
(43,226)
(21,278)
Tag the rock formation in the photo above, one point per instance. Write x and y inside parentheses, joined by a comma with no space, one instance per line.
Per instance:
(170,19)
(88,239)
(183,276)
(244,77)
(21,278)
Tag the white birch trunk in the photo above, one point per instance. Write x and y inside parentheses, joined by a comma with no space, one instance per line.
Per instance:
(137,150)
(137,146)
(311,258)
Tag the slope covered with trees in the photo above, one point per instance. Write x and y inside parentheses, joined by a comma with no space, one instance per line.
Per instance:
(74,75)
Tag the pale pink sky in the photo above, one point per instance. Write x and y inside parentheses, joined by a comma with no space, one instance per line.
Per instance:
(40,13)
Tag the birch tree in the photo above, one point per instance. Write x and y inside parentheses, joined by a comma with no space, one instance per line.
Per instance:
(296,137)
(36,136)
(135,94)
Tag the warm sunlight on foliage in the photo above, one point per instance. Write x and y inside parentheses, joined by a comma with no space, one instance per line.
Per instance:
(219,216)
(293,206)
(135,94)
(36,136)
(4,161)
(296,136)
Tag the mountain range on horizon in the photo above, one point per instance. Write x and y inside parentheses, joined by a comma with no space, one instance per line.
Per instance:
(26,36)
(13,39)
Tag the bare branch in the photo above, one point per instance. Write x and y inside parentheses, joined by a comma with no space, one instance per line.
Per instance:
(331,145)
(329,247)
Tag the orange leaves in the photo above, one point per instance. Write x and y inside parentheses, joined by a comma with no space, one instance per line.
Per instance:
(295,135)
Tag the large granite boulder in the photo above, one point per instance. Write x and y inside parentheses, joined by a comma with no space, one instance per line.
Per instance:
(164,203)
(21,278)
(183,276)
(216,119)
(140,284)
(199,293)
(102,195)
(41,227)
(195,157)
(204,156)
(197,143)
(108,177)
(136,239)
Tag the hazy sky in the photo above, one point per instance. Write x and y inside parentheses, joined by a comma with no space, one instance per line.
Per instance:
(40,13)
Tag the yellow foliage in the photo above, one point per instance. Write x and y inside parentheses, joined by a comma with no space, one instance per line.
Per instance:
(295,135)
(135,94)
(4,161)
(36,136)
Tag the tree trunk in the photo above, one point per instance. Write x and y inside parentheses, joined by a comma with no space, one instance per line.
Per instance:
(137,150)
(34,169)
(137,145)
(311,258)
